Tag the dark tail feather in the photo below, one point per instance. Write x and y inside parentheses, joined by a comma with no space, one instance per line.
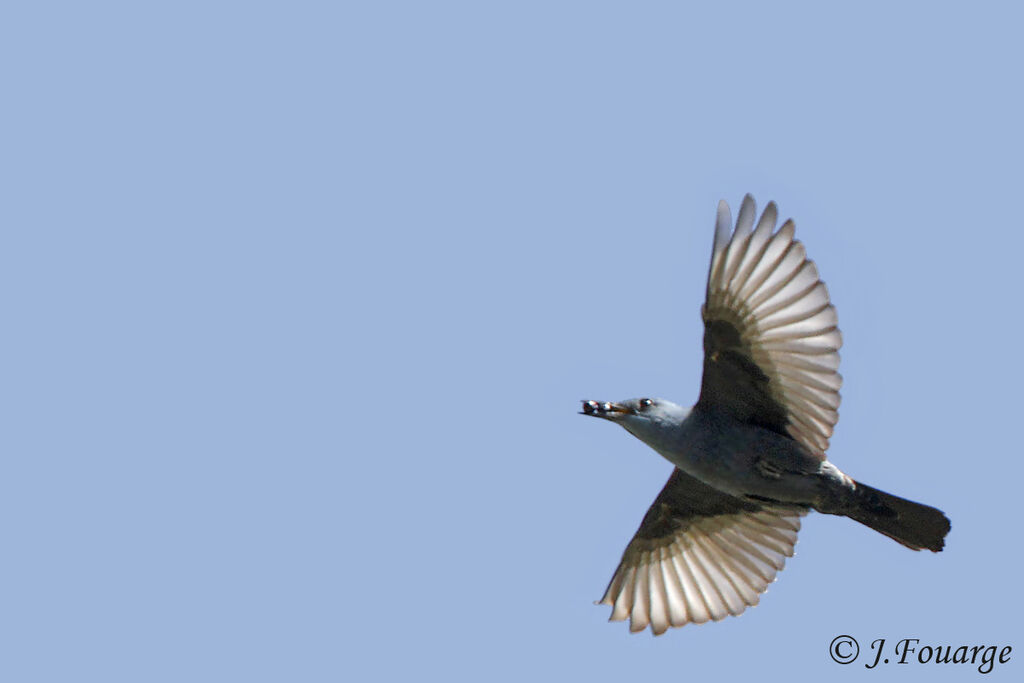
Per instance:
(914,525)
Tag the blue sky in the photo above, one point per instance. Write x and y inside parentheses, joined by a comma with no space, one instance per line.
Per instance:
(300,298)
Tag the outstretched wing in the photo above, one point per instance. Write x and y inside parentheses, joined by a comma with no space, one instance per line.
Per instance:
(771,345)
(699,555)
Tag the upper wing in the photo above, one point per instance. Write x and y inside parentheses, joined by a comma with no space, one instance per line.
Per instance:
(771,345)
(699,554)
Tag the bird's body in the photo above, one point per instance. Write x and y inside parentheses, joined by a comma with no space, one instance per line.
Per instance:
(735,457)
(750,455)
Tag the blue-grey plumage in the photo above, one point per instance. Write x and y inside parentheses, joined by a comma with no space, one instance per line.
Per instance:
(750,455)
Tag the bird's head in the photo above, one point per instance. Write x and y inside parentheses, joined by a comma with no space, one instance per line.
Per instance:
(652,420)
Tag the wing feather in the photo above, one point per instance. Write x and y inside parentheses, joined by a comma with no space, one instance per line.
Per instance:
(771,340)
(699,555)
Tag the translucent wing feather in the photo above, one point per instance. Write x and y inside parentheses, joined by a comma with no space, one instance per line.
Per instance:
(699,555)
(771,341)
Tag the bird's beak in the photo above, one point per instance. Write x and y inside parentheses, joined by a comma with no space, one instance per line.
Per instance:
(609,411)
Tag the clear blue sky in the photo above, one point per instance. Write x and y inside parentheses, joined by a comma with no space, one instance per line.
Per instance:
(299,301)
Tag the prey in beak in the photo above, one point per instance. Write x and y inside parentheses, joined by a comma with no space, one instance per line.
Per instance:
(606,410)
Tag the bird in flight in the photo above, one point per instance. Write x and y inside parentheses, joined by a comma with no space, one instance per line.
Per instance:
(750,455)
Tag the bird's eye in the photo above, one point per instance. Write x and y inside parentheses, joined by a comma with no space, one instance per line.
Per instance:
(646,403)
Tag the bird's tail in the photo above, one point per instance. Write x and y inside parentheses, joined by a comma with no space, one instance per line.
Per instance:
(914,525)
